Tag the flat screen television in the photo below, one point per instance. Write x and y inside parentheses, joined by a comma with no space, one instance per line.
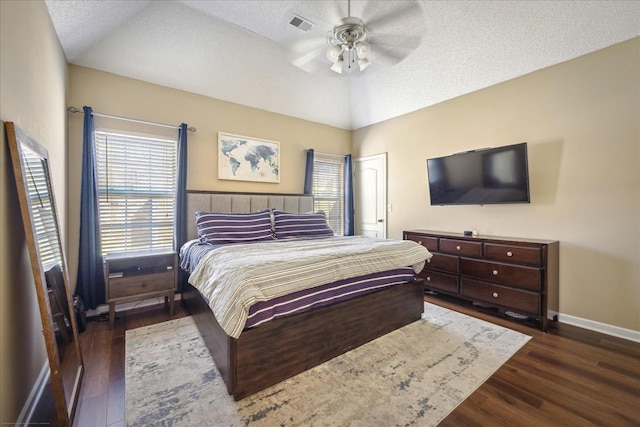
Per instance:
(480,177)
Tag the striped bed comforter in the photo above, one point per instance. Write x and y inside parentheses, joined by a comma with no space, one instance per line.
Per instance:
(233,278)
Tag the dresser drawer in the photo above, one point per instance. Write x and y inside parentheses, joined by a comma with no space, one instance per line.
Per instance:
(516,276)
(431,243)
(141,284)
(476,290)
(513,254)
(440,281)
(461,247)
(442,262)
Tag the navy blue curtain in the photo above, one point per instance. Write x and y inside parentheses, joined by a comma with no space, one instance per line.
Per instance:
(90,283)
(180,214)
(308,173)
(349,213)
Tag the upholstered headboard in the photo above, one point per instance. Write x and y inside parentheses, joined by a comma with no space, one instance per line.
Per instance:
(221,201)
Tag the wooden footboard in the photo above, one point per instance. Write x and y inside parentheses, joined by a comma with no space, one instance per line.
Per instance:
(282,348)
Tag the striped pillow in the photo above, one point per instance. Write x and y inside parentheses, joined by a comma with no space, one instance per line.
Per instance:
(219,228)
(309,225)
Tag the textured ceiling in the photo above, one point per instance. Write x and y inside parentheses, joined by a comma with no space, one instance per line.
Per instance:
(244,51)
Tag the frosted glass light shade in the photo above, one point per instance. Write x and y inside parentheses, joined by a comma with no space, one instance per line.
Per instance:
(333,53)
(363,50)
(337,66)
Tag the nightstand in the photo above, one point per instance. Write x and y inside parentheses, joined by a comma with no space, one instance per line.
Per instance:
(138,275)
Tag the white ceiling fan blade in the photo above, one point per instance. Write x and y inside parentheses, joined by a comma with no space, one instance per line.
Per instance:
(390,56)
(305,45)
(395,40)
(303,53)
(405,11)
(336,11)
(304,62)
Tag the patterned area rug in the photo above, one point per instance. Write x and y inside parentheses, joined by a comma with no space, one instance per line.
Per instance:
(413,376)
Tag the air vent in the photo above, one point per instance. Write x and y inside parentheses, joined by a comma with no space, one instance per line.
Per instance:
(301,23)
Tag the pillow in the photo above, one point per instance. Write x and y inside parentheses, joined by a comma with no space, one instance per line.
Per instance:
(310,225)
(218,228)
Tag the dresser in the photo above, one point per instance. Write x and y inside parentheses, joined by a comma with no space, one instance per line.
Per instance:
(517,276)
(138,275)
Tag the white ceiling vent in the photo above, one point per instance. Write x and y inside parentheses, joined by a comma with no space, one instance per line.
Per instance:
(301,23)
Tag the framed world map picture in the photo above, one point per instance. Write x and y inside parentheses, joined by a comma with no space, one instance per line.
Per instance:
(248,159)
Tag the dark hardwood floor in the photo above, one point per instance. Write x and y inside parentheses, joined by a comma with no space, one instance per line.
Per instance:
(566,377)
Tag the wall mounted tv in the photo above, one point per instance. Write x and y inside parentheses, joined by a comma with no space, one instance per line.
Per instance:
(480,177)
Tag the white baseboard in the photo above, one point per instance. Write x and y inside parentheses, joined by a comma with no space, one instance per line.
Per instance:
(104,308)
(31,403)
(592,325)
(35,395)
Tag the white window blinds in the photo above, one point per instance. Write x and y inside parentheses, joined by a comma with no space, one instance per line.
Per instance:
(328,190)
(42,209)
(136,186)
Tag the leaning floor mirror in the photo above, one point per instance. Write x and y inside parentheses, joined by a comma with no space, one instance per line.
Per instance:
(37,205)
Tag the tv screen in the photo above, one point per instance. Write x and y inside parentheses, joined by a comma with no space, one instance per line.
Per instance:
(480,177)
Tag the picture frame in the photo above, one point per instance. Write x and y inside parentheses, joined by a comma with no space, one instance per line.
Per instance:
(243,158)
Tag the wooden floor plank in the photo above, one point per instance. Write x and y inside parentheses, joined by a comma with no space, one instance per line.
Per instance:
(96,357)
(565,377)
(91,412)
(568,391)
(115,398)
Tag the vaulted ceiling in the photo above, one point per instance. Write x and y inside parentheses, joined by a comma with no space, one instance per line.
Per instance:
(247,52)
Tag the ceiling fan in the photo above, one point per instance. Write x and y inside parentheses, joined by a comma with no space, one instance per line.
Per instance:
(354,44)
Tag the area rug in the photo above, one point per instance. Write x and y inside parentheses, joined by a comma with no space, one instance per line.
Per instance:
(415,375)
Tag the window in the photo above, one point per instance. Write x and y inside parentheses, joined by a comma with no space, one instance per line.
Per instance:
(136,190)
(328,190)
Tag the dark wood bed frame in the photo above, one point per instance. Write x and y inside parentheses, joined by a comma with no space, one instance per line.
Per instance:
(279,349)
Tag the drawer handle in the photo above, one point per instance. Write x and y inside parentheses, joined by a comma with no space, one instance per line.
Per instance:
(495,272)
(495,295)
(509,253)
(428,278)
(458,248)
(144,284)
(419,242)
(429,261)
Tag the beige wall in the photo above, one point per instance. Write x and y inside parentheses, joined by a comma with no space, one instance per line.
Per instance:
(581,120)
(32,95)
(111,94)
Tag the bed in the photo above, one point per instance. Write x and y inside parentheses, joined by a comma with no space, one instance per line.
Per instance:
(266,354)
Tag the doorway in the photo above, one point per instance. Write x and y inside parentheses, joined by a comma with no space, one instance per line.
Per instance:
(371,195)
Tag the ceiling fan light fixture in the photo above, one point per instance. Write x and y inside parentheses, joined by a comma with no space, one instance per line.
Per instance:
(337,66)
(362,49)
(363,63)
(348,44)
(333,53)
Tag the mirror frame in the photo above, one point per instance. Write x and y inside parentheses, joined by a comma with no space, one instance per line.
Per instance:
(65,409)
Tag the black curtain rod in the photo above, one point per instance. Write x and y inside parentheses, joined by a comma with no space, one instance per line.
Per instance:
(327,154)
(79,110)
